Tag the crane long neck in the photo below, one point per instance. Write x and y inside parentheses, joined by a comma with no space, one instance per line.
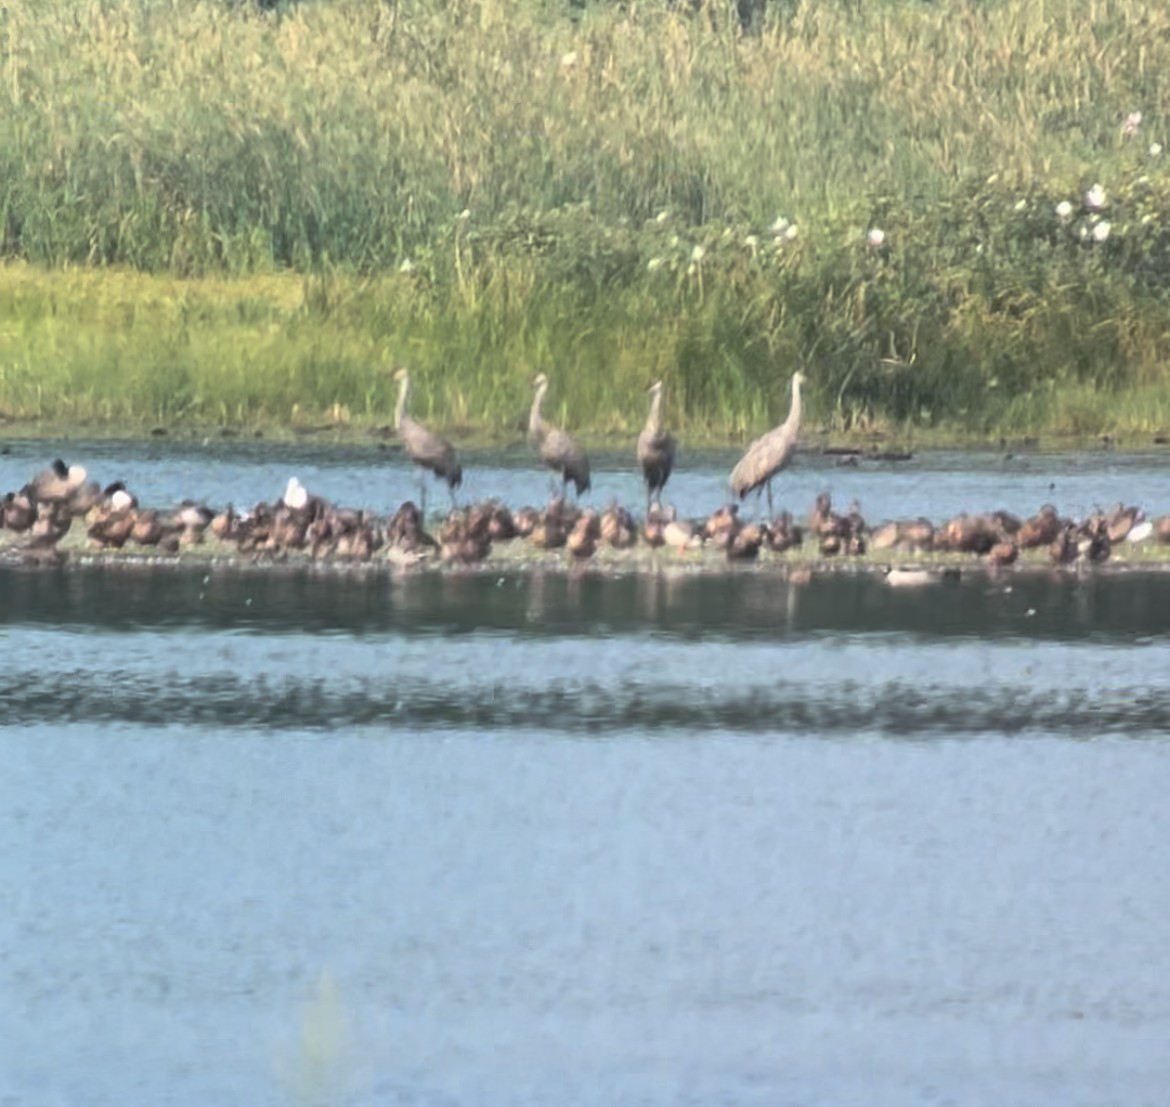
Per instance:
(535,422)
(653,419)
(400,407)
(793,420)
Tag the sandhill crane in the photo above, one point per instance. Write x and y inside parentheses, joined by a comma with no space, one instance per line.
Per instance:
(557,450)
(425,448)
(655,449)
(770,453)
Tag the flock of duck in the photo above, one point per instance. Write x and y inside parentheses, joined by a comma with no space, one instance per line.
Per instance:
(44,511)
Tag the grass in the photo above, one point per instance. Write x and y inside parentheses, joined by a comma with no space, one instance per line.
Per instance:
(218,216)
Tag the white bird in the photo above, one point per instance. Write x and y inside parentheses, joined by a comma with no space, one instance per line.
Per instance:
(296,495)
(1139,532)
(904,577)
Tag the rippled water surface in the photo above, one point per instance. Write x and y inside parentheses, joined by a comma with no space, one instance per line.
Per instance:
(936,484)
(291,837)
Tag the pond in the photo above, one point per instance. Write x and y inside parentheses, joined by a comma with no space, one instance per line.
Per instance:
(295,837)
(936,484)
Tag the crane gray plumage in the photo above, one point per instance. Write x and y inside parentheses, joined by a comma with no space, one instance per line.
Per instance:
(769,453)
(425,448)
(557,450)
(655,449)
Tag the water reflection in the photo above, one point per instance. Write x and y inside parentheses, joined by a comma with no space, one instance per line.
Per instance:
(585,653)
(737,606)
(564,703)
(547,831)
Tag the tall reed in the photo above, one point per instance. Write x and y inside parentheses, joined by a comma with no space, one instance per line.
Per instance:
(484,187)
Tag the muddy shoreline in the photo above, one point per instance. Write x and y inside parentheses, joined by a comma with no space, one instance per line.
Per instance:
(520,557)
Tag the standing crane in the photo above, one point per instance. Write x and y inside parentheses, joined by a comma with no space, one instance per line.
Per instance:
(425,448)
(557,450)
(769,453)
(655,449)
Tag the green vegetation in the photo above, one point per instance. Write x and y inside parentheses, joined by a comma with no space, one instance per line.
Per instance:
(216,215)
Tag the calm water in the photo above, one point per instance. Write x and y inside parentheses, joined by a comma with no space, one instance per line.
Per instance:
(288,838)
(936,484)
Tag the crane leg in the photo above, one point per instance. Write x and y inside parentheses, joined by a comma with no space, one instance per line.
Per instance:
(770,511)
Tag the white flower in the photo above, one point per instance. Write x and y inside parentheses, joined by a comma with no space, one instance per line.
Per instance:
(875,238)
(1021,205)
(751,242)
(1095,198)
(1131,124)
(407,266)
(464,214)
(779,225)
(1101,231)
(697,254)
(1155,149)
(691,269)
(569,59)
(1064,211)
(653,264)
(662,216)
(790,232)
